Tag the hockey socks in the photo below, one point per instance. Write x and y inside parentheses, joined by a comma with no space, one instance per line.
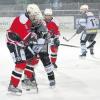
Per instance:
(29,72)
(54,50)
(17,74)
(15,78)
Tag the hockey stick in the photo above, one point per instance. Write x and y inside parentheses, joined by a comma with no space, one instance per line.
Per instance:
(91,45)
(70,45)
(88,47)
(69,38)
(30,49)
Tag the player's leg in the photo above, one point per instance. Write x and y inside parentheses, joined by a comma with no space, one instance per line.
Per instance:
(91,40)
(48,67)
(54,50)
(29,81)
(18,56)
(83,41)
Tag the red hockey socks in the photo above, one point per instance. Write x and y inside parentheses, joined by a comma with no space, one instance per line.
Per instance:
(29,71)
(54,50)
(17,74)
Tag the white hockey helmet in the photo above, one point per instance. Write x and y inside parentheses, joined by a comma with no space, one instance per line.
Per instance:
(84,8)
(48,12)
(33,10)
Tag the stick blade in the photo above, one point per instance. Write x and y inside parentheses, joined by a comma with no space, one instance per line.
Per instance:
(65,39)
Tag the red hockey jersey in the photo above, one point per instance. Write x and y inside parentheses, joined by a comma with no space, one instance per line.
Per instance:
(52,28)
(21,26)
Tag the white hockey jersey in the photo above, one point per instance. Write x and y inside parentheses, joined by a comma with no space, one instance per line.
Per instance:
(89,22)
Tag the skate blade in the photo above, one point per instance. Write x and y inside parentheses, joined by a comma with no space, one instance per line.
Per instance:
(82,57)
(33,90)
(52,87)
(14,93)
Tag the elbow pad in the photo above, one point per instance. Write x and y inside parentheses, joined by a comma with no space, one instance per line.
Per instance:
(80,29)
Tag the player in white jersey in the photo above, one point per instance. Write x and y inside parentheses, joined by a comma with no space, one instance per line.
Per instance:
(87,26)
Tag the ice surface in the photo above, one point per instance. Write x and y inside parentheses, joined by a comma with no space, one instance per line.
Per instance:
(76,79)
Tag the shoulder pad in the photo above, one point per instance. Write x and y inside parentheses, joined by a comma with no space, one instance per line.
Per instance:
(89,14)
(55,20)
(82,22)
(23,19)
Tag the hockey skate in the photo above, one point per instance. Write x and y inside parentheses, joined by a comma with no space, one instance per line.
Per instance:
(28,85)
(14,90)
(52,83)
(55,66)
(83,55)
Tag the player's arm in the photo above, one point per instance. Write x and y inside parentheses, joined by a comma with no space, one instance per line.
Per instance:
(80,29)
(13,38)
(81,25)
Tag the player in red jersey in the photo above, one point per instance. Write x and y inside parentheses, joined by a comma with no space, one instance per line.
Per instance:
(19,36)
(54,32)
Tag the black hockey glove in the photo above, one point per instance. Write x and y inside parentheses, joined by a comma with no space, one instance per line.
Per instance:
(56,41)
(52,36)
(80,29)
(13,36)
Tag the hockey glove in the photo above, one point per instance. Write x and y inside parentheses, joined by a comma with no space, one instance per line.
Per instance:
(80,29)
(56,41)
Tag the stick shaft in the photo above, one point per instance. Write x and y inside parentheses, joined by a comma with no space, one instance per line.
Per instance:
(69,38)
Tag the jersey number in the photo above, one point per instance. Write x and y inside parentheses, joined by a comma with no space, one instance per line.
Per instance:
(93,22)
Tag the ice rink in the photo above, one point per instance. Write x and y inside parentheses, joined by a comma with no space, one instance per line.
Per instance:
(76,79)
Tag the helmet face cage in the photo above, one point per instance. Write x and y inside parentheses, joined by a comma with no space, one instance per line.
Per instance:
(48,18)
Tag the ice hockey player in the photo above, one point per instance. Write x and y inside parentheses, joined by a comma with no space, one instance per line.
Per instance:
(18,42)
(53,29)
(40,29)
(88,28)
